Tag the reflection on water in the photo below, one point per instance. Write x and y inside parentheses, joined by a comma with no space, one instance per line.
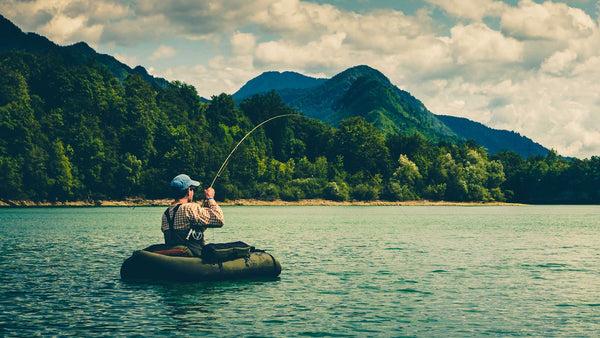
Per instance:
(347,271)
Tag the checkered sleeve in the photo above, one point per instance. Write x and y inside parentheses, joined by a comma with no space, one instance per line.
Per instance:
(210,215)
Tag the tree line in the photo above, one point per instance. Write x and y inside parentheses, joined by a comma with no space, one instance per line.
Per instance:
(75,132)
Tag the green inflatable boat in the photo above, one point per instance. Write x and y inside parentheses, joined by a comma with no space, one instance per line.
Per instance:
(168,265)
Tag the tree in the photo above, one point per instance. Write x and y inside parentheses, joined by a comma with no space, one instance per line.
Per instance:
(11,179)
(416,147)
(181,102)
(140,119)
(362,147)
(514,167)
(64,185)
(222,109)
(129,175)
(403,185)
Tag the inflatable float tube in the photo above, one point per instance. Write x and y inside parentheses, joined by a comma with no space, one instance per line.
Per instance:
(146,265)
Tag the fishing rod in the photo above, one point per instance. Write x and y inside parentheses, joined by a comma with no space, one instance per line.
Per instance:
(224,165)
(242,140)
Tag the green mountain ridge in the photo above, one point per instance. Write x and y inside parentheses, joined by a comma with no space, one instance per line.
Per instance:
(272,80)
(494,140)
(366,92)
(383,107)
(13,38)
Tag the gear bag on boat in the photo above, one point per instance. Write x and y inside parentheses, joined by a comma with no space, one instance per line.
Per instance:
(221,252)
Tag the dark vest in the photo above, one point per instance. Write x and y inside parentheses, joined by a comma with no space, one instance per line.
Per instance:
(181,237)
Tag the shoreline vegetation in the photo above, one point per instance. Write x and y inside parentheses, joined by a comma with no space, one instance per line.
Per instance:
(138,202)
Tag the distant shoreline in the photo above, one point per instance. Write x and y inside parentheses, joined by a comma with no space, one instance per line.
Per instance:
(138,202)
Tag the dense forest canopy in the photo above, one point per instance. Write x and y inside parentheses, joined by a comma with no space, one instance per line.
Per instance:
(75,132)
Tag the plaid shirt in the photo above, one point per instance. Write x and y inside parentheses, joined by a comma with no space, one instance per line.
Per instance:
(208,215)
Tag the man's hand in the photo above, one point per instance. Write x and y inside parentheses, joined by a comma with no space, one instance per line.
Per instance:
(209,193)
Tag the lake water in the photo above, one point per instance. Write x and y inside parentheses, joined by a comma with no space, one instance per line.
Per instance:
(347,272)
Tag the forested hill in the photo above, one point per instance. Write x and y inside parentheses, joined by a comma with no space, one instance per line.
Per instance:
(363,91)
(12,38)
(493,140)
(268,81)
(359,91)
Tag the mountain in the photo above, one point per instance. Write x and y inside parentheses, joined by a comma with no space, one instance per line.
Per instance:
(493,140)
(268,81)
(12,38)
(359,91)
(364,91)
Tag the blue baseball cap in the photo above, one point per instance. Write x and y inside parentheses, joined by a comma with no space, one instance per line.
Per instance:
(183,182)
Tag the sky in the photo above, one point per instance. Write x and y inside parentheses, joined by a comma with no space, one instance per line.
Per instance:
(529,66)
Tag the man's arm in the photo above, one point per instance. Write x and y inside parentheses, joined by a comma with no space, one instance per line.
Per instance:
(214,213)
(209,215)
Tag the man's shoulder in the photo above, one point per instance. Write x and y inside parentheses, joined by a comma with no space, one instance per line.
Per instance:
(191,206)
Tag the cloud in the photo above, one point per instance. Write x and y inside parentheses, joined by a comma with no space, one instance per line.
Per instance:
(386,31)
(130,60)
(243,43)
(66,30)
(546,21)
(133,31)
(219,75)
(162,52)
(201,19)
(65,22)
(558,112)
(559,63)
(470,9)
(383,30)
(478,43)
(299,19)
(326,52)
(96,12)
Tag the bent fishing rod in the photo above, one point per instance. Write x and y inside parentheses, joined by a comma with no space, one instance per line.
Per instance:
(224,165)
(192,232)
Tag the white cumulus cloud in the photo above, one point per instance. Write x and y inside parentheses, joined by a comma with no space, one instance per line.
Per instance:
(243,43)
(470,9)
(65,22)
(549,21)
(478,43)
(66,30)
(162,52)
(328,51)
(560,62)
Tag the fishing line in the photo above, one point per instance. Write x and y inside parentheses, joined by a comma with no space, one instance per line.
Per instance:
(242,140)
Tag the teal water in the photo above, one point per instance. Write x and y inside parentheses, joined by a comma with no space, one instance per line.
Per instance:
(347,272)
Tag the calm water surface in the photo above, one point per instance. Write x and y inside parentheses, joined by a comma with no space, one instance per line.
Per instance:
(347,272)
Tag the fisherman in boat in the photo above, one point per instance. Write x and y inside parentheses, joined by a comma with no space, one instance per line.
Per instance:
(184,222)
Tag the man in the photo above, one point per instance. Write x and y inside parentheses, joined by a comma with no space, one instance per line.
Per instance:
(184,222)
